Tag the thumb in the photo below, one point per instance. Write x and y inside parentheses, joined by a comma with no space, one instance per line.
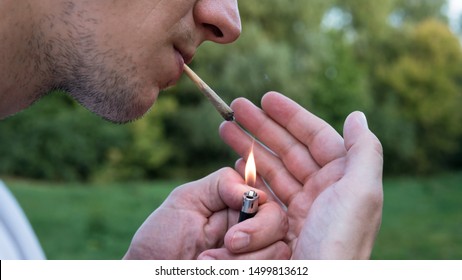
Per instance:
(364,151)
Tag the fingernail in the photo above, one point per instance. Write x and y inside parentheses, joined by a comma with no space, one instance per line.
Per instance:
(206,258)
(240,240)
(363,120)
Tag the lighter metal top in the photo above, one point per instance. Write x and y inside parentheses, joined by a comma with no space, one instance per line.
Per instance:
(250,202)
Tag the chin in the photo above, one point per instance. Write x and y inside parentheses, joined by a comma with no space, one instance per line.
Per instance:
(132,110)
(118,96)
(122,108)
(123,118)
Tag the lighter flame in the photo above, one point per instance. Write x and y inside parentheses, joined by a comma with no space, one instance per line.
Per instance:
(250,170)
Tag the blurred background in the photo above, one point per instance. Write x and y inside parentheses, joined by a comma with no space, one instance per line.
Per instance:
(87,185)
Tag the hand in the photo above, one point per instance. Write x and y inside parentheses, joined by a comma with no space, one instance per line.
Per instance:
(199,220)
(331,186)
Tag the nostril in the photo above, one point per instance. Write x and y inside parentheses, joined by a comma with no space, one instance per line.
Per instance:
(215,30)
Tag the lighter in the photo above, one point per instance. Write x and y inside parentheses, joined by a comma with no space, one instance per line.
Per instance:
(249,205)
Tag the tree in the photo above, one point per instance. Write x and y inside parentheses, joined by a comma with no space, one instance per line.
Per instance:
(425,82)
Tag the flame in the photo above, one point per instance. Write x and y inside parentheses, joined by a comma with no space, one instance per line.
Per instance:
(250,169)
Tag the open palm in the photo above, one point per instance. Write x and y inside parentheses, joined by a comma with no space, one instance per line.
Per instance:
(331,186)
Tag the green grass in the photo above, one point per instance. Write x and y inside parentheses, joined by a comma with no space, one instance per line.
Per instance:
(422,218)
(76,221)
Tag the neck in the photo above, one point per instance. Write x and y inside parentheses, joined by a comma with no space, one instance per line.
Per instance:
(23,63)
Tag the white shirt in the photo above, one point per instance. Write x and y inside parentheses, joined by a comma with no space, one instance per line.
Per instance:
(17,238)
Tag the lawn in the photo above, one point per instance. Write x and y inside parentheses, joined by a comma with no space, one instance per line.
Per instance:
(76,221)
(422,217)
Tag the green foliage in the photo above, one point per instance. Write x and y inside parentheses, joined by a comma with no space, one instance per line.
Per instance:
(284,21)
(198,148)
(147,149)
(56,139)
(424,80)
(368,18)
(415,11)
(338,83)
(413,69)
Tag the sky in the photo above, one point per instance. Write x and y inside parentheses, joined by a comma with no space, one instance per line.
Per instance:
(455,9)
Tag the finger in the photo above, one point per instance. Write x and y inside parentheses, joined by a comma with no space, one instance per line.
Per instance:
(269,225)
(276,251)
(365,155)
(216,192)
(293,153)
(269,166)
(324,143)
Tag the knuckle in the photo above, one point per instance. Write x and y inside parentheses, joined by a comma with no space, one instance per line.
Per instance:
(225,171)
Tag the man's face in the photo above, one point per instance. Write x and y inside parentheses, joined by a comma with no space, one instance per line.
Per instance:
(115,56)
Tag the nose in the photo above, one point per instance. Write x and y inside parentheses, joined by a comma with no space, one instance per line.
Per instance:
(219,20)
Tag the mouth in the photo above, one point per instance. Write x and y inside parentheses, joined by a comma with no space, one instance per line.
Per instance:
(182,58)
(187,56)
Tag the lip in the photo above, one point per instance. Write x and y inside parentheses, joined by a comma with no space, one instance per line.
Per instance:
(181,59)
(177,74)
(187,57)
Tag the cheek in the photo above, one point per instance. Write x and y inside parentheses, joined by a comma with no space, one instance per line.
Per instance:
(141,55)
